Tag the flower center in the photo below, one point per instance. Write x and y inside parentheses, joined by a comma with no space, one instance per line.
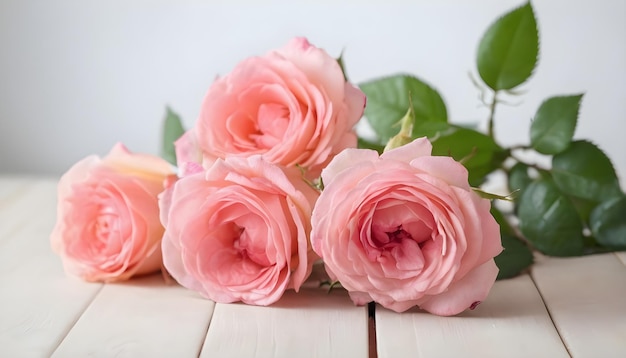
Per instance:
(398,235)
(105,225)
(392,238)
(106,228)
(272,121)
(248,248)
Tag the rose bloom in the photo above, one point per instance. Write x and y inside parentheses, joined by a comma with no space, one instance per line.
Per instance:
(405,229)
(239,231)
(108,226)
(292,105)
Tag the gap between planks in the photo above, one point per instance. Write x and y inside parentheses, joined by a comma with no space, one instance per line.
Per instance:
(543,300)
(140,317)
(311,323)
(511,322)
(38,303)
(585,298)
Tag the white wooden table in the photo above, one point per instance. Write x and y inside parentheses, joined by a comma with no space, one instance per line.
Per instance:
(564,308)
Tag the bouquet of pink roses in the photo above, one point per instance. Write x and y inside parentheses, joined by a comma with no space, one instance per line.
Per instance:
(244,221)
(273,179)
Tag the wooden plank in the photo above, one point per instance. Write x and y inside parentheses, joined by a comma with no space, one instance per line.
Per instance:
(11,188)
(586,297)
(143,317)
(512,322)
(621,256)
(38,304)
(312,323)
(19,198)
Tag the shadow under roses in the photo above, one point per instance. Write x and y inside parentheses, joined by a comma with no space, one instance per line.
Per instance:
(154,280)
(308,297)
(503,301)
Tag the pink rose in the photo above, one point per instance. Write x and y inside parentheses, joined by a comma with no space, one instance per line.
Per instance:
(108,226)
(292,105)
(405,229)
(239,231)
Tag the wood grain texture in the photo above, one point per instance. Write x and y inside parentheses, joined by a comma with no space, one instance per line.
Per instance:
(512,322)
(38,303)
(143,317)
(311,323)
(586,297)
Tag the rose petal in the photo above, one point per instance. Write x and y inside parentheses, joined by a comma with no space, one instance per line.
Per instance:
(474,287)
(444,168)
(420,147)
(347,159)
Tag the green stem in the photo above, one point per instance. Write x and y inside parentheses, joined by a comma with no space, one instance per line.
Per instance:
(492,113)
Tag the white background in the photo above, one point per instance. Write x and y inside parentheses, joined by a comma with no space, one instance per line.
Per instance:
(78,76)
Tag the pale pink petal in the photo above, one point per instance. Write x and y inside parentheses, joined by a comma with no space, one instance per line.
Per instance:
(481,230)
(173,262)
(78,173)
(444,168)
(152,262)
(190,168)
(320,68)
(360,298)
(472,288)
(420,147)
(354,103)
(187,149)
(492,244)
(347,159)
(120,158)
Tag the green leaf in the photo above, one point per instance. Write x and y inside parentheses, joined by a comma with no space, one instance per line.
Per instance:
(388,99)
(608,223)
(584,171)
(172,130)
(478,152)
(583,208)
(469,125)
(430,129)
(519,177)
(552,129)
(507,53)
(548,219)
(516,256)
